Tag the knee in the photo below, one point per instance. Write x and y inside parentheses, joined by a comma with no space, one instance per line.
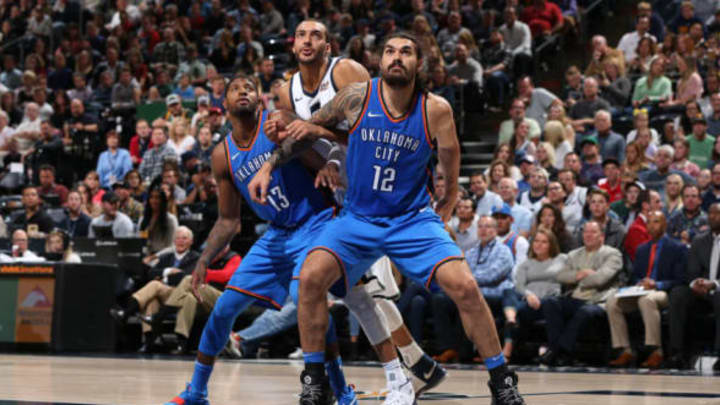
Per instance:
(645,303)
(466,292)
(612,305)
(317,274)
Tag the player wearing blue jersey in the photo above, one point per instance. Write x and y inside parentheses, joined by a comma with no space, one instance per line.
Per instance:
(296,213)
(394,128)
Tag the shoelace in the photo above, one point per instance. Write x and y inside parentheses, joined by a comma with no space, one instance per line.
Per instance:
(510,395)
(311,392)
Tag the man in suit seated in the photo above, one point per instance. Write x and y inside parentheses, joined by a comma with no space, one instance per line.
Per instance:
(592,272)
(699,292)
(171,266)
(659,266)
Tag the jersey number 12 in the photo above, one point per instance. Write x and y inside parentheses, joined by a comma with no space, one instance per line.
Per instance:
(384,178)
(277,194)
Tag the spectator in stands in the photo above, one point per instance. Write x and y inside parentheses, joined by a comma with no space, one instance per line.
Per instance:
(598,209)
(168,270)
(521,145)
(11,76)
(555,136)
(659,266)
(28,132)
(685,19)
(644,53)
(102,92)
(544,18)
(184,88)
(592,170)
(625,208)
(48,188)
(169,52)
(615,87)
(125,93)
(517,243)
(40,98)
(629,42)
(654,88)
(576,195)
(498,61)
(657,25)
(32,219)
(700,295)
(9,105)
(448,37)
(117,223)
(712,195)
(465,70)
(171,177)
(439,84)
(126,204)
(217,94)
(673,194)
(584,110)
(141,142)
(219,272)
(602,54)
(591,271)
(175,109)
(611,182)
(517,115)
(551,217)
(157,225)
(557,113)
(464,224)
(691,220)
(154,159)
(58,248)
(267,74)
(532,199)
(545,155)
(641,120)
(114,163)
(522,217)
(655,179)
(571,213)
(89,207)
(681,162)
(503,154)
(700,143)
(204,146)
(20,251)
(484,198)
(648,201)
(537,100)
(181,140)
(61,76)
(77,223)
(612,144)
(713,119)
(137,189)
(689,85)
(518,38)
(92,181)
(81,125)
(6,131)
(47,150)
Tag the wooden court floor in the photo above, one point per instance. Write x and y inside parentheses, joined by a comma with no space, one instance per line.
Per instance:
(55,380)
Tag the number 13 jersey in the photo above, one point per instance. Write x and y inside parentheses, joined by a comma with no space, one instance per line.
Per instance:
(292,196)
(388,159)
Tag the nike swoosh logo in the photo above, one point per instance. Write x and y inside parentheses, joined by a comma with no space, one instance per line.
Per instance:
(235,156)
(298,99)
(430,373)
(371,115)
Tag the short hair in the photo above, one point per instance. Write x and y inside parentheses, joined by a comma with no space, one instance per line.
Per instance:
(603,112)
(599,225)
(472,201)
(688,186)
(47,168)
(599,192)
(243,76)
(183,228)
(574,175)
(667,149)
(512,181)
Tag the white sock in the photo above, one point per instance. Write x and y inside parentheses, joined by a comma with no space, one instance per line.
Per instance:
(411,353)
(394,374)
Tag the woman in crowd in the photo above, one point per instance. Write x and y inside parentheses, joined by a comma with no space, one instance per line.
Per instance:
(689,85)
(641,120)
(681,162)
(615,87)
(644,140)
(555,136)
(545,154)
(88,206)
(84,65)
(520,143)
(683,122)
(550,217)
(157,225)
(58,248)
(535,278)
(92,181)
(357,51)
(654,88)
(635,160)
(180,139)
(557,113)
(9,105)
(137,189)
(645,50)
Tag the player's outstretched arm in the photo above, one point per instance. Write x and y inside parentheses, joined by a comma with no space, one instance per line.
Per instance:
(442,128)
(228,222)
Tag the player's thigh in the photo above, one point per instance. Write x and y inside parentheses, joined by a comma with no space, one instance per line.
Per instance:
(419,246)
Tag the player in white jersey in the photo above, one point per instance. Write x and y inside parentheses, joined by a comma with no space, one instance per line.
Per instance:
(317,81)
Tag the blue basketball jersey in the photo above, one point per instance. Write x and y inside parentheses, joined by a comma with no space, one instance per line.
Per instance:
(388,158)
(292,196)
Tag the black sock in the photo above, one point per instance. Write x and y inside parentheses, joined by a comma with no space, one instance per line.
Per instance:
(315,370)
(499,372)
(132,307)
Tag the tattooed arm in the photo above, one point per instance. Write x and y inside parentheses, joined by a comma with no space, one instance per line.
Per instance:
(228,222)
(346,105)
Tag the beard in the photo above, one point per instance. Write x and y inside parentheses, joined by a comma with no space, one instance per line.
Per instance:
(319,55)
(243,111)
(395,79)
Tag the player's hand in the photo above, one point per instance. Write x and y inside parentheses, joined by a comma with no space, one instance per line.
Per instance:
(444,209)
(259,184)
(300,130)
(198,279)
(328,176)
(275,129)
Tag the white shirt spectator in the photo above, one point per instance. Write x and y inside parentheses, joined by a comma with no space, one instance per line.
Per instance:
(518,39)
(467,239)
(28,256)
(629,42)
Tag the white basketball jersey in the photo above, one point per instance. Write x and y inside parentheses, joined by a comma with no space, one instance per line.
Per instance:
(306,104)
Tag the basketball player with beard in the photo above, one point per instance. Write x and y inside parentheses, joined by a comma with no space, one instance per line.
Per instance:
(395,127)
(296,211)
(317,81)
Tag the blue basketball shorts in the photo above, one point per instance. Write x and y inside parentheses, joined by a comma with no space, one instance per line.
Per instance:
(416,242)
(266,270)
